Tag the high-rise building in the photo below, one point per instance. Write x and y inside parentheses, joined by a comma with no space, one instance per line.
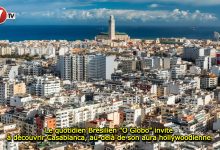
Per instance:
(95,66)
(192,52)
(204,62)
(72,67)
(78,68)
(82,67)
(111,27)
(65,66)
(3,92)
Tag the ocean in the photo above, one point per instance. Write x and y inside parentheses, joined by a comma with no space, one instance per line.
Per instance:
(20,33)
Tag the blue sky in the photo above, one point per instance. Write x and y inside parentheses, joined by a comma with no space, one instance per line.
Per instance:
(126,12)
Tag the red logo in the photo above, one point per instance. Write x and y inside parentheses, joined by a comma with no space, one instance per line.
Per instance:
(3,15)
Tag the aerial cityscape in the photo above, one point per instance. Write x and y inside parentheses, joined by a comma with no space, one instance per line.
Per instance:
(113,91)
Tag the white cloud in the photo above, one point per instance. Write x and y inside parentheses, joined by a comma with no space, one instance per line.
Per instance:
(192,2)
(154,6)
(140,15)
(131,16)
(204,2)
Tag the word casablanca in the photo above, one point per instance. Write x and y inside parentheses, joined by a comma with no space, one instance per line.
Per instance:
(109,134)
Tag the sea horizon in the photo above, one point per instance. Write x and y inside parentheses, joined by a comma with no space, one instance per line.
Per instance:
(17,33)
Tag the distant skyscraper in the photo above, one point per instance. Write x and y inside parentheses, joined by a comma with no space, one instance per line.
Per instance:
(111,28)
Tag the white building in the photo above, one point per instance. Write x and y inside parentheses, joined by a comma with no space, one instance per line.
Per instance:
(20,100)
(177,72)
(8,89)
(111,66)
(133,115)
(46,85)
(195,70)
(131,99)
(199,100)
(208,81)
(153,62)
(8,145)
(63,50)
(171,100)
(82,67)
(192,52)
(70,116)
(163,74)
(5,50)
(204,62)
(11,71)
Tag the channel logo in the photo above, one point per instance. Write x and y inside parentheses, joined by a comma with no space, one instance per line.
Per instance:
(4,15)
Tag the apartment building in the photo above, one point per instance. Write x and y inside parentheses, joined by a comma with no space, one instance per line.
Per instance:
(46,85)
(82,67)
(209,81)
(10,88)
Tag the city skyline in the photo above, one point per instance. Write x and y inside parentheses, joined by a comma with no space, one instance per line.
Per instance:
(111,87)
(95,12)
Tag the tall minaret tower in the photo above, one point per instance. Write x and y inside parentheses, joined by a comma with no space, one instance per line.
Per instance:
(111,28)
